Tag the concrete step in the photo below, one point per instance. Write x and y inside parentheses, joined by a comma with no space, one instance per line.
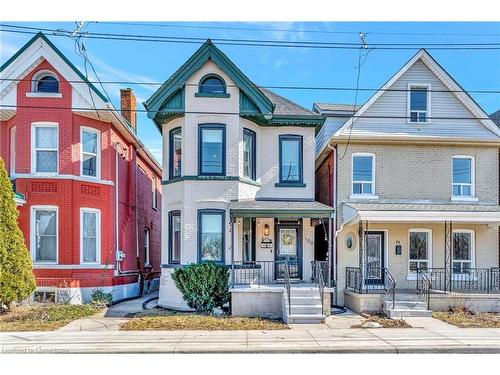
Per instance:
(304,319)
(403,297)
(303,292)
(309,300)
(305,309)
(400,313)
(412,305)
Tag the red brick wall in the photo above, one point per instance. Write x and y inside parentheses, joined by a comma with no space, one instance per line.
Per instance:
(324,181)
(70,195)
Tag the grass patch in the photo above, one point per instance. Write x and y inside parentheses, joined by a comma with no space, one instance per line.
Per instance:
(167,320)
(43,317)
(468,319)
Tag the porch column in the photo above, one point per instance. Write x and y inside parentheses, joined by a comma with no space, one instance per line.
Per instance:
(362,227)
(448,256)
(331,253)
(232,225)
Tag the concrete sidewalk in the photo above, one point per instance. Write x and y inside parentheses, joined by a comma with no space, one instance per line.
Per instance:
(307,340)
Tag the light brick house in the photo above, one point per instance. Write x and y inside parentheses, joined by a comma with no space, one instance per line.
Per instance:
(88,191)
(414,177)
(238,182)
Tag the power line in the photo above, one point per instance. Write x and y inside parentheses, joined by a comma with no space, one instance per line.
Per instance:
(277,87)
(260,43)
(235,113)
(289,30)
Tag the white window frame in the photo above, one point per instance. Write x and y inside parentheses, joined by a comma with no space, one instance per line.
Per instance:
(35,125)
(371,195)
(98,234)
(410,86)
(154,192)
(34,86)
(413,275)
(472,249)
(472,196)
(33,232)
(12,166)
(97,155)
(147,246)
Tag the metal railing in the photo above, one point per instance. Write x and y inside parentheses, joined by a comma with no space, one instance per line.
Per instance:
(424,286)
(374,280)
(465,280)
(263,272)
(319,268)
(286,284)
(322,266)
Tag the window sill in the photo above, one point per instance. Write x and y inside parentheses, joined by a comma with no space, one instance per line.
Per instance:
(211,95)
(290,184)
(364,196)
(464,199)
(53,95)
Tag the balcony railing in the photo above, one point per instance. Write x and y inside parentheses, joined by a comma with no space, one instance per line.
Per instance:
(263,272)
(469,280)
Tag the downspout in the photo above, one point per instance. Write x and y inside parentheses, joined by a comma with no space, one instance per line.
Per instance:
(334,240)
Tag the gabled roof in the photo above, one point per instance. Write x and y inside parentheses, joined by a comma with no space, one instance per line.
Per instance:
(284,106)
(443,76)
(42,36)
(496,117)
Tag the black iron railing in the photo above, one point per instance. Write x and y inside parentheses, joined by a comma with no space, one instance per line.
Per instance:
(374,280)
(263,272)
(464,280)
(320,272)
(424,285)
(286,283)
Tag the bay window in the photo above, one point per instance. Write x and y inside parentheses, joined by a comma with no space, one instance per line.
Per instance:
(90,233)
(175,153)
(45,140)
(174,237)
(249,154)
(212,150)
(211,233)
(90,158)
(44,234)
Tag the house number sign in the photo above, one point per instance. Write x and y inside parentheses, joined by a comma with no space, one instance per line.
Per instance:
(266,243)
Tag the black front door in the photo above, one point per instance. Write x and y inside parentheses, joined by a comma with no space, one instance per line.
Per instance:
(288,248)
(374,257)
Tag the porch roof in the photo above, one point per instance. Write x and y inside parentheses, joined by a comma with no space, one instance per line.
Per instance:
(280,208)
(418,212)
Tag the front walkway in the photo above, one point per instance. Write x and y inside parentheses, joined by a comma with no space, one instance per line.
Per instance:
(433,337)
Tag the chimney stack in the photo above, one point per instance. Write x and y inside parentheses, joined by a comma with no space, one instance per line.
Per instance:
(128,105)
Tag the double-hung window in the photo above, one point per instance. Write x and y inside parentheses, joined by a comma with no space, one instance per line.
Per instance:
(45,148)
(463,177)
(175,157)
(249,154)
(363,174)
(44,234)
(290,149)
(418,103)
(90,158)
(211,230)
(212,150)
(174,237)
(463,251)
(90,227)
(420,245)
(154,193)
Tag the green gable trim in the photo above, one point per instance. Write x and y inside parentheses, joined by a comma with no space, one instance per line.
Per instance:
(210,95)
(208,51)
(211,178)
(59,53)
(247,106)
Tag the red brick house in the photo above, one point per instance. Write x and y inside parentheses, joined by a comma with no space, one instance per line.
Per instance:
(87,189)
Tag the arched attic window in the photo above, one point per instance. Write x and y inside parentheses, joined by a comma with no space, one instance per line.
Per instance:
(212,85)
(45,82)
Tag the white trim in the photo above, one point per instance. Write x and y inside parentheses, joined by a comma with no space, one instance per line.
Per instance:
(98,234)
(428,104)
(40,74)
(53,95)
(97,155)
(366,195)
(86,266)
(472,195)
(429,248)
(33,210)
(154,192)
(443,76)
(12,151)
(62,177)
(43,124)
(472,247)
(147,246)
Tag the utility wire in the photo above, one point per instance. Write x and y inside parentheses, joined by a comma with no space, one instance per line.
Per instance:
(283,87)
(237,113)
(263,43)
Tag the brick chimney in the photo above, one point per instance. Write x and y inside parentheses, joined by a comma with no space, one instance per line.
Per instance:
(128,105)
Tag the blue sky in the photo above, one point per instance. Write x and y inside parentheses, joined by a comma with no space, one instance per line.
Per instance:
(273,66)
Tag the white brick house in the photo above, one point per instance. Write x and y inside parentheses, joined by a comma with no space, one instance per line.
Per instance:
(238,182)
(416,195)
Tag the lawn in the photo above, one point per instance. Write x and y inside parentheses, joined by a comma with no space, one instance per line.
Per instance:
(167,320)
(467,319)
(43,317)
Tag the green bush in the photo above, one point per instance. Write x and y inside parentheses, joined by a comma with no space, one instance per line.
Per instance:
(204,286)
(101,298)
(16,277)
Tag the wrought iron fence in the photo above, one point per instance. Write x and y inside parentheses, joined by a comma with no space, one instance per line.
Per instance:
(373,280)
(323,267)
(263,272)
(465,280)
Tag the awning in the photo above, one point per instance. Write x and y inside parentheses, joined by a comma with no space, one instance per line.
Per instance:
(409,212)
(280,209)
